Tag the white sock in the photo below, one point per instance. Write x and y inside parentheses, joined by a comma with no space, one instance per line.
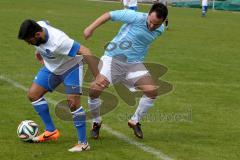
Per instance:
(144,104)
(94,106)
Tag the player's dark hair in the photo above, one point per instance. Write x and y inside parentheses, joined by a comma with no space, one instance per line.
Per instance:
(160,9)
(28,29)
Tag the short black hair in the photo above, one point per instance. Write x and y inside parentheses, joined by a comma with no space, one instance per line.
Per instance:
(28,29)
(160,9)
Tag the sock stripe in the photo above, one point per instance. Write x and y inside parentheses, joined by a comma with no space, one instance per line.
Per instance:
(78,110)
(40,101)
(94,101)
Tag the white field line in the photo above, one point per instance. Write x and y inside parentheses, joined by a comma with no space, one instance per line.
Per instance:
(20,86)
(142,146)
(159,154)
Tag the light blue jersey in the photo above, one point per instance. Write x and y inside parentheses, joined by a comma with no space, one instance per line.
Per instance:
(134,38)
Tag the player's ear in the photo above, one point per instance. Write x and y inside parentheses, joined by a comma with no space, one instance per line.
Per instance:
(38,34)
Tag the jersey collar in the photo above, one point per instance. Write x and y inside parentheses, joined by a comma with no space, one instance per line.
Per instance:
(46,34)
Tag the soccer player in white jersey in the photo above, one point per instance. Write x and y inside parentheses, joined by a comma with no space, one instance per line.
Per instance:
(204,7)
(61,65)
(132,42)
(130,4)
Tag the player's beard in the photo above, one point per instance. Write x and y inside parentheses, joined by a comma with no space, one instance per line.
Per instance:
(40,41)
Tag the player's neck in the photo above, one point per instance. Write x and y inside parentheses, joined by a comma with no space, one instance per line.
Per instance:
(45,34)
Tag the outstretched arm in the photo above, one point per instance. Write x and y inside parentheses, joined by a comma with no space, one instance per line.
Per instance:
(98,22)
(124,16)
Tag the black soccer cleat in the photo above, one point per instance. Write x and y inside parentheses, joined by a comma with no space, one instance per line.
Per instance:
(95,130)
(136,129)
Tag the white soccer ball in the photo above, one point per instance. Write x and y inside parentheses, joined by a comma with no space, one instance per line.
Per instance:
(27,130)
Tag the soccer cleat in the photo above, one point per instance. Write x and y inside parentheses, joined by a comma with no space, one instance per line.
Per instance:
(95,130)
(136,128)
(80,147)
(47,136)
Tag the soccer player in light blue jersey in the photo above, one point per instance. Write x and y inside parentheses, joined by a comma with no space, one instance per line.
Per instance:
(62,64)
(123,60)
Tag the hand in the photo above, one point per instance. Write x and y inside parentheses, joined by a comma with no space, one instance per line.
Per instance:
(101,81)
(87,33)
(39,58)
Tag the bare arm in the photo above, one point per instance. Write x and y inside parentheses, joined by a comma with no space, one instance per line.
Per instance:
(98,22)
(90,59)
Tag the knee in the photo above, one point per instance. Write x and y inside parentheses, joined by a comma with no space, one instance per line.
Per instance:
(73,102)
(32,95)
(95,90)
(151,92)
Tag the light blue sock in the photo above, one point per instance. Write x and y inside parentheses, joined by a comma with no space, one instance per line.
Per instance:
(41,107)
(79,119)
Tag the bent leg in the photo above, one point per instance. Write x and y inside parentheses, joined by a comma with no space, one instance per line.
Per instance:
(150,90)
(73,88)
(35,95)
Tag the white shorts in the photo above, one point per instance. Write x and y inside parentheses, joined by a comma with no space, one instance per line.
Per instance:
(118,70)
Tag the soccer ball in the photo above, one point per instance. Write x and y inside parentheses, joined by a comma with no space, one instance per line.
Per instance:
(27,130)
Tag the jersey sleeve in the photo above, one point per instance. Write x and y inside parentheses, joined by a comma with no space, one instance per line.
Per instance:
(68,47)
(125,16)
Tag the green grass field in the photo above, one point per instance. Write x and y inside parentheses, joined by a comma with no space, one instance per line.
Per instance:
(202,57)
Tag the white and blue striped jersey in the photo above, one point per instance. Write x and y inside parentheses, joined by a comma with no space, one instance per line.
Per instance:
(59,52)
(134,37)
